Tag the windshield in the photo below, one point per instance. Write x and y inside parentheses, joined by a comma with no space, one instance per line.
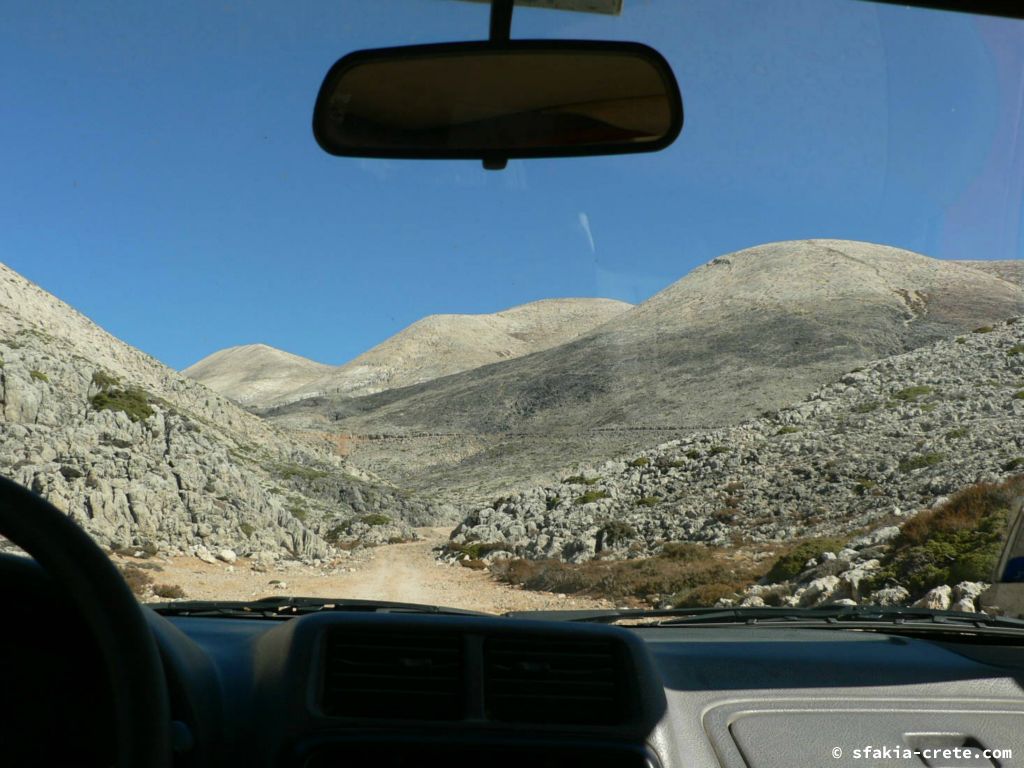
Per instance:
(775,364)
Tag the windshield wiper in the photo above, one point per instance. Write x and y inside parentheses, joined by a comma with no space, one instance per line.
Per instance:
(828,615)
(290,607)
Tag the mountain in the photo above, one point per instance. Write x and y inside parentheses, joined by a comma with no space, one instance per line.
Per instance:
(438,345)
(142,456)
(255,373)
(747,332)
(880,442)
(888,486)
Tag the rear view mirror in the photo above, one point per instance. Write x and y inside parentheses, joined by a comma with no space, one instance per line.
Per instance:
(533,98)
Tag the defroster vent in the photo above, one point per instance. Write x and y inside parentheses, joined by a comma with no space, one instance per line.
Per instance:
(377,674)
(555,680)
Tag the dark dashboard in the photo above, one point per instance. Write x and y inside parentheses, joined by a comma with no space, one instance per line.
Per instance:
(398,690)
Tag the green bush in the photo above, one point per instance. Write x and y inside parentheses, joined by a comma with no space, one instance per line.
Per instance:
(866,407)
(1016,349)
(299,511)
(693,454)
(581,480)
(375,519)
(616,532)
(104,380)
(983,329)
(792,562)
(958,541)
(590,496)
(910,394)
(956,434)
(475,550)
(38,375)
(288,471)
(717,449)
(246,529)
(1018,395)
(642,461)
(133,401)
(920,461)
(648,501)
(552,502)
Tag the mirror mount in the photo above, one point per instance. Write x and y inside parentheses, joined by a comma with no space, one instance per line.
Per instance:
(501,20)
(500,32)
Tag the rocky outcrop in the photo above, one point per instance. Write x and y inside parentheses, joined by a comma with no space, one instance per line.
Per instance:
(145,458)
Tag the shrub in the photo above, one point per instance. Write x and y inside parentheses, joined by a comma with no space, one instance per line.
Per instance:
(956,434)
(375,519)
(170,591)
(299,511)
(552,502)
(475,550)
(590,496)
(792,562)
(1019,395)
(787,430)
(616,532)
(706,595)
(677,573)
(717,449)
(581,480)
(910,463)
(133,401)
(983,329)
(1014,464)
(104,380)
(960,340)
(1016,349)
(642,461)
(866,407)
(648,501)
(693,454)
(136,578)
(289,471)
(38,375)
(246,529)
(960,540)
(910,394)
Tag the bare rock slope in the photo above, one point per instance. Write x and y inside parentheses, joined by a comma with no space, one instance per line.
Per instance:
(438,345)
(747,332)
(142,456)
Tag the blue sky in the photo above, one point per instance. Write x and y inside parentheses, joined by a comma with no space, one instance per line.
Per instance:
(159,172)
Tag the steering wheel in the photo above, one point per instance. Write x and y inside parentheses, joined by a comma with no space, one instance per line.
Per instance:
(82,572)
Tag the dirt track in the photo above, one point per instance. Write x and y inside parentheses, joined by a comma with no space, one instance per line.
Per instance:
(399,572)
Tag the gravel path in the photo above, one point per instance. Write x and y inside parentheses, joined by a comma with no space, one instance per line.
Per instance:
(398,572)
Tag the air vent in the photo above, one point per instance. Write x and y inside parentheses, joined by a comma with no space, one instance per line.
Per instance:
(414,676)
(555,680)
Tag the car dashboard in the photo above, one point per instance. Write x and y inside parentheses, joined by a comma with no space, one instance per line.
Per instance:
(394,689)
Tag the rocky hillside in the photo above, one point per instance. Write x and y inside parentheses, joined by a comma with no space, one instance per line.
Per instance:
(144,457)
(745,333)
(438,345)
(874,447)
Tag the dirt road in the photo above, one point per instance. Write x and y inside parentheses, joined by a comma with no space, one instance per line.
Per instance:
(399,572)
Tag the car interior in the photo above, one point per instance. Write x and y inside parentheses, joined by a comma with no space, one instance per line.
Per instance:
(91,677)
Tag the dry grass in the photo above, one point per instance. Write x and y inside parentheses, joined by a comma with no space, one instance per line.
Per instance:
(692,574)
(965,510)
